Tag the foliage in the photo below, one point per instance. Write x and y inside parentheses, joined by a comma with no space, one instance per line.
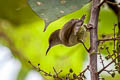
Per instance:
(25,30)
(52,10)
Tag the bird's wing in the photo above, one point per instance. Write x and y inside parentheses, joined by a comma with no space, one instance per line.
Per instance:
(66,31)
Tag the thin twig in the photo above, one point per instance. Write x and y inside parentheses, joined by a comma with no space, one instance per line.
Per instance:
(84,45)
(113,3)
(57,74)
(101,3)
(108,64)
(114,41)
(82,74)
(107,1)
(87,68)
(110,39)
(109,71)
(110,56)
(55,71)
(38,69)
(102,61)
(114,35)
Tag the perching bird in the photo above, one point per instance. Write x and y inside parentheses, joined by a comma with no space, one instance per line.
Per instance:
(72,33)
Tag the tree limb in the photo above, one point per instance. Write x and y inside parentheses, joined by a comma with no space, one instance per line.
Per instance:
(94,39)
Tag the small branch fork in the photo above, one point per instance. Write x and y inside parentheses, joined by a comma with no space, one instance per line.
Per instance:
(92,67)
(110,56)
(39,70)
(108,64)
(111,39)
(84,45)
(117,65)
(107,1)
(80,76)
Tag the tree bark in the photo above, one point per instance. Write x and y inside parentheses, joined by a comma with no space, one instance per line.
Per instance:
(93,22)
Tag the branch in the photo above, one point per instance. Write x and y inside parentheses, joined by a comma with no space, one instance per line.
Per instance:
(113,3)
(111,39)
(83,72)
(108,64)
(46,73)
(38,69)
(84,45)
(101,3)
(12,47)
(94,39)
(102,61)
(56,76)
(107,1)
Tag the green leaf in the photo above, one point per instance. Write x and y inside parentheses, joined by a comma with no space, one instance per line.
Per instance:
(31,42)
(51,10)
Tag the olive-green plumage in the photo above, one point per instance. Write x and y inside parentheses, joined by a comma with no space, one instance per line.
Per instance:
(70,34)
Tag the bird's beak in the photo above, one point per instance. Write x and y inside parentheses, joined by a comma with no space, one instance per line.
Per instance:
(48,50)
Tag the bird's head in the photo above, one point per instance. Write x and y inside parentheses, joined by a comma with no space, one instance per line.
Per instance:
(53,40)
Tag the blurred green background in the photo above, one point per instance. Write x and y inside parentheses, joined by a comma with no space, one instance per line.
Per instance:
(21,31)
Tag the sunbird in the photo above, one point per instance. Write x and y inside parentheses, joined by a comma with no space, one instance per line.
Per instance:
(72,33)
